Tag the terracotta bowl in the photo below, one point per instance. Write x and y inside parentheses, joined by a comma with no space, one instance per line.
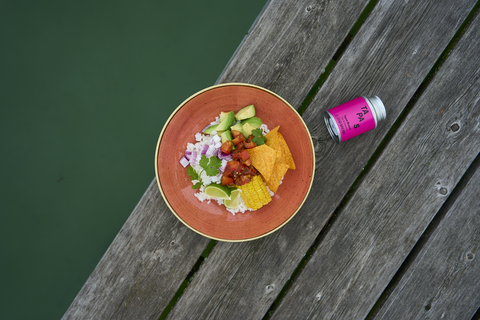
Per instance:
(212,220)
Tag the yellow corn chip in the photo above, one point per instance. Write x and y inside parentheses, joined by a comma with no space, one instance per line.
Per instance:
(272,137)
(276,141)
(263,159)
(279,170)
(287,155)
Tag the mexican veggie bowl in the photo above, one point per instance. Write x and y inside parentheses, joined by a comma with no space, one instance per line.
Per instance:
(194,116)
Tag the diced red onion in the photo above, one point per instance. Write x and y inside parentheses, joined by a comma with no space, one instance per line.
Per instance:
(184,162)
(224,156)
(188,154)
(193,158)
(223,166)
(205,149)
(210,151)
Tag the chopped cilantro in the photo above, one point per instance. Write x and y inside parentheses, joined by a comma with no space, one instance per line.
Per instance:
(197,185)
(194,176)
(258,137)
(192,173)
(210,165)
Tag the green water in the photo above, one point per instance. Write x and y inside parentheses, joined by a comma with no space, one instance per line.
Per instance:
(85,88)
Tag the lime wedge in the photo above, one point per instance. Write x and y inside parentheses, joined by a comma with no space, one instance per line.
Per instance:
(218,191)
(235,199)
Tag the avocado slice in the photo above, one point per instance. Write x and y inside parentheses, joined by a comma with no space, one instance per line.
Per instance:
(237,127)
(247,129)
(223,115)
(226,136)
(245,113)
(210,129)
(227,122)
(253,121)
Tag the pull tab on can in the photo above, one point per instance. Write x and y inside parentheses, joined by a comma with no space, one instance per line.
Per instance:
(354,117)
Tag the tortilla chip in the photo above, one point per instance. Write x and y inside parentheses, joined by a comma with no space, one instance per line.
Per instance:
(276,141)
(279,170)
(287,155)
(263,159)
(272,137)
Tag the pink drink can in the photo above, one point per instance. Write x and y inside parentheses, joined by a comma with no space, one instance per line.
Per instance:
(354,117)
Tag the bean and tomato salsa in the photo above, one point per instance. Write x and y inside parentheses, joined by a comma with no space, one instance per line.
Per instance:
(238,171)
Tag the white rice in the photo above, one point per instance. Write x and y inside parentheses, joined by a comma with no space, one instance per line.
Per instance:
(202,140)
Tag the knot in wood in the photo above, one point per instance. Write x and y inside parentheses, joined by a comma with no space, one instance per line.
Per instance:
(455,127)
(269,288)
(443,191)
(470,256)
(316,144)
(309,8)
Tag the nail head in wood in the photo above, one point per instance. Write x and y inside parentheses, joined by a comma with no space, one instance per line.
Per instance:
(455,127)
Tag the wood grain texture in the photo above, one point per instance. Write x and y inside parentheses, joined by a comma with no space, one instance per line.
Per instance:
(292,42)
(151,227)
(139,274)
(443,282)
(398,197)
(242,280)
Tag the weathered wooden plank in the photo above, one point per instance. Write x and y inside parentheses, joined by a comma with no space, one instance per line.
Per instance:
(242,280)
(292,43)
(443,282)
(136,277)
(130,281)
(398,197)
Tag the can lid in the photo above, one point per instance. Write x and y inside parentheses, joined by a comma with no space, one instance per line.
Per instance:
(379,107)
(332,127)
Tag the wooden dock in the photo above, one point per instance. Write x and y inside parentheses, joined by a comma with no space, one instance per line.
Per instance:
(391,227)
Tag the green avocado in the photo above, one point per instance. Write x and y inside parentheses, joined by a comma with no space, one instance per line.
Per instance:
(253,121)
(245,113)
(247,129)
(227,122)
(226,136)
(237,127)
(210,129)
(223,115)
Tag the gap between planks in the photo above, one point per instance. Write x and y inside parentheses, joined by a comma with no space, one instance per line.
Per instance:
(341,49)
(306,102)
(308,99)
(418,93)
(188,279)
(455,192)
(410,259)
(476,316)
